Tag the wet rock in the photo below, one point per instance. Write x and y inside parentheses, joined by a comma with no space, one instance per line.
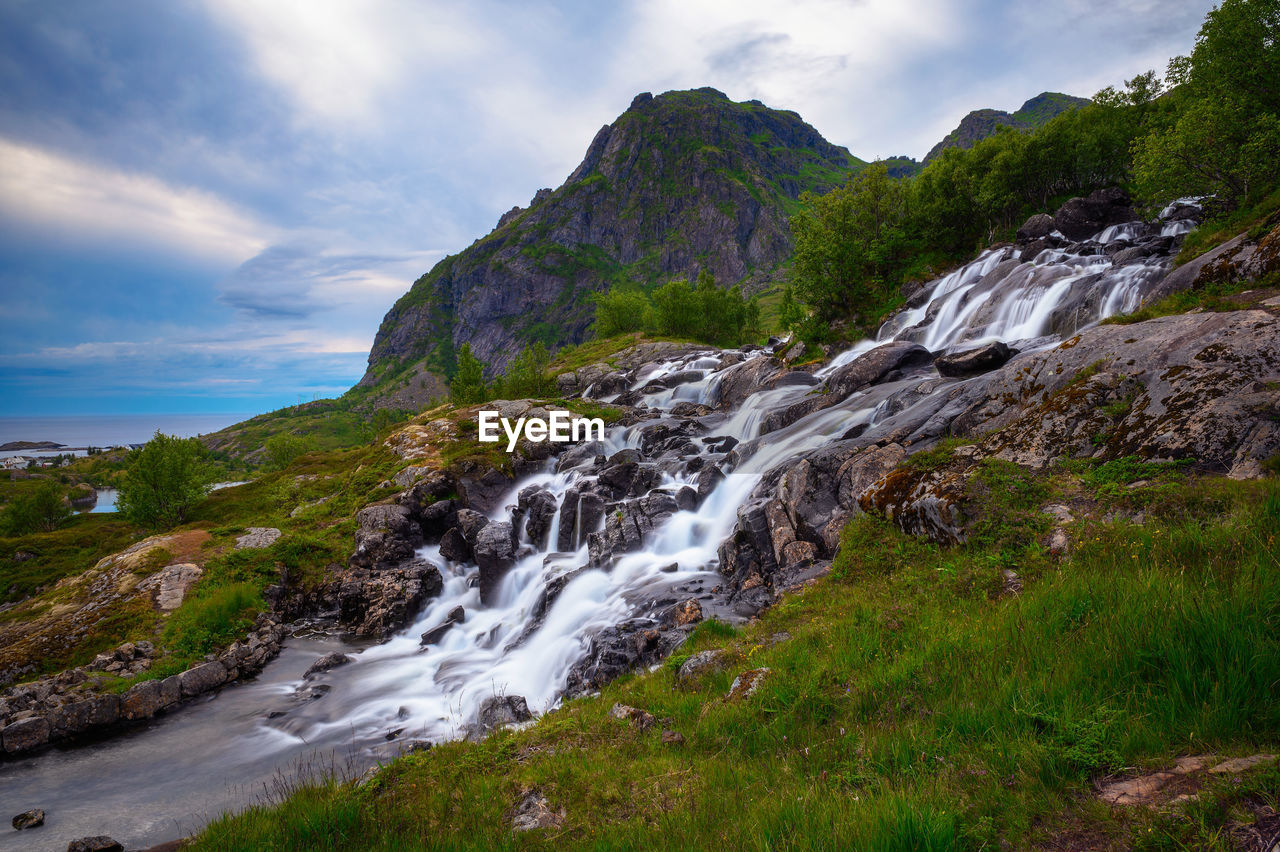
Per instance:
(1080,218)
(28,819)
(641,720)
(329,661)
(708,479)
(974,361)
(624,647)
(740,381)
(454,547)
(874,365)
(257,538)
(579,455)
(25,734)
(580,515)
(437,518)
(1038,226)
(457,615)
(688,612)
(494,555)
(98,843)
(202,678)
(498,711)
(538,506)
(377,603)
(142,701)
(687,499)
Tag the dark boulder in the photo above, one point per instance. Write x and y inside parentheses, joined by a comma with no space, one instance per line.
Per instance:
(1081,218)
(1035,228)
(436,519)
(872,366)
(457,615)
(25,734)
(454,547)
(482,492)
(377,603)
(536,507)
(498,711)
(329,661)
(98,843)
(974,361)
(28,819)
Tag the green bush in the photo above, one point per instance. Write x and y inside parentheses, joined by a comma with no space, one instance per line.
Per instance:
(41,510)
(164,480)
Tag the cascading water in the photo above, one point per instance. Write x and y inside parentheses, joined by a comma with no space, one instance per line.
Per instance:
(399,690)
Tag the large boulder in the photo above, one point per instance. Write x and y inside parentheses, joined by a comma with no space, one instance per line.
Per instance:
(25,734)
(377,603)
(974,361)
(1081,218)
(498,711)
(495,553)
(386,534)
(1037,227)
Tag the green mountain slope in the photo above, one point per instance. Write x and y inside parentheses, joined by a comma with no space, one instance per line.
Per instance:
(981,123)
(681,182)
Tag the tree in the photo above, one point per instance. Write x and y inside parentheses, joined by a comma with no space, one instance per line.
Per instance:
(849,243)
(526,375)
(41,510)
(164,480)
(282,448)
(467,385)
(1224,138)
(620,310)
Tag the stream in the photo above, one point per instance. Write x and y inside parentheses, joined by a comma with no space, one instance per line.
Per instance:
(167,778)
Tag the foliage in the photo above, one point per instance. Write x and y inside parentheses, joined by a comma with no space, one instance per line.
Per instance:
(620,310)
(41,509)
(702,312)
(849,243)
(526,375)
(164,480)
(282,448)
(467,385)
(1224,138)
(212,619)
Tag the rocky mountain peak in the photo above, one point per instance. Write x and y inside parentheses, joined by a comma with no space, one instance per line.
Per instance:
(679,182)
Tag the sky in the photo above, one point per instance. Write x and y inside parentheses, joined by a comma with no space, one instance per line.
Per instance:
(208,205)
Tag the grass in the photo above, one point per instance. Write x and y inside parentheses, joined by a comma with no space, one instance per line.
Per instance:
(913,707)
(68,550)
(1217,231)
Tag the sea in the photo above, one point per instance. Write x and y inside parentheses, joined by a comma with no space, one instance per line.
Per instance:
(107,430)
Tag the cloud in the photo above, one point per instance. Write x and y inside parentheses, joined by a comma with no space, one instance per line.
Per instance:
(297,281)
(337,60)
(42,190)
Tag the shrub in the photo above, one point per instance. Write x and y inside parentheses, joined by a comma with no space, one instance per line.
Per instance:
(164,480)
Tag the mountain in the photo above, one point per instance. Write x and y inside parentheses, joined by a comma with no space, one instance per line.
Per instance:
(681,182)
(981,123)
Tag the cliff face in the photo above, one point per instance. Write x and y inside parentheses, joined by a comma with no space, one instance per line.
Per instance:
(981,123)
(680,182)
